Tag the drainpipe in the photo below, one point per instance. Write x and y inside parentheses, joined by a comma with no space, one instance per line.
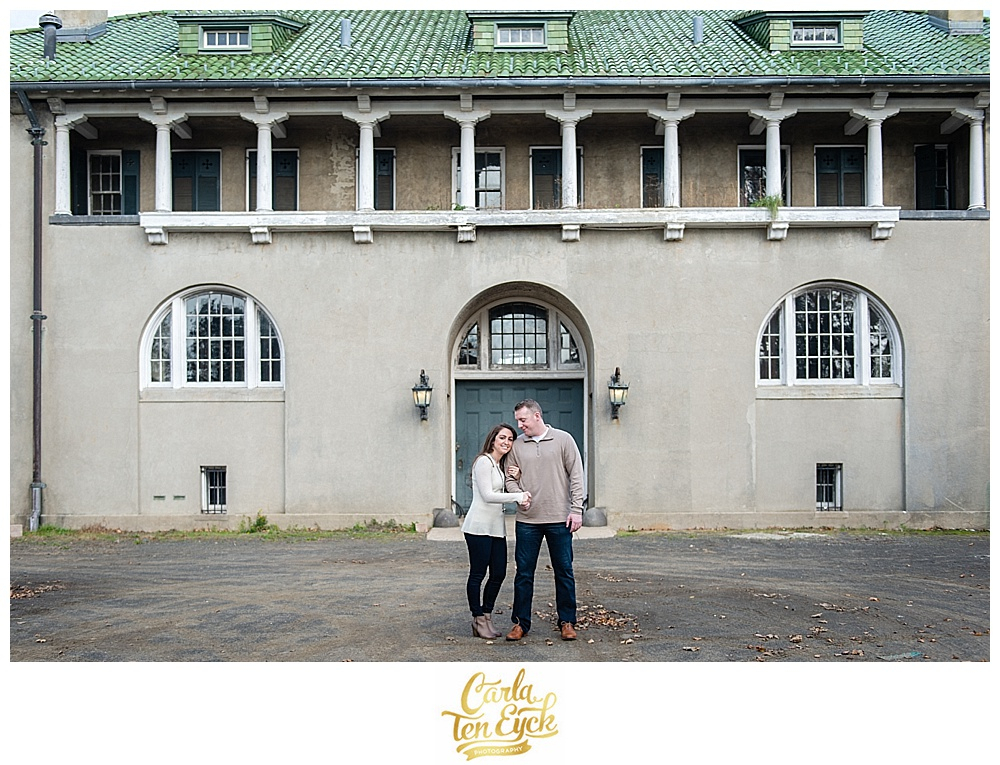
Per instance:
(37,132)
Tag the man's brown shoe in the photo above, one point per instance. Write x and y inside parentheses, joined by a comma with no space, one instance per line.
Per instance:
(568,633)
(516,633)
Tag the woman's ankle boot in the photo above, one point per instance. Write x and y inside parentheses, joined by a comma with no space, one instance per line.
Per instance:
(481,629)
(490,626)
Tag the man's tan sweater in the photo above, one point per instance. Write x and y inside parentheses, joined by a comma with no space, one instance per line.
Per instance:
(552,470)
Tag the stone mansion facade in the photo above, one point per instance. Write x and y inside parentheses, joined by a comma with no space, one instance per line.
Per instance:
(256,237)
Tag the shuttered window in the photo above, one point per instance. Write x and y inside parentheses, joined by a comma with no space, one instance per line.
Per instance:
(196,179)
(385,172)
(284,180)
(840,176)
(104,182)
(652,177)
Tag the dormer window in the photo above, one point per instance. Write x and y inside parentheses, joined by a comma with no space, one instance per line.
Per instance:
(226,39)
(520,31)
(239,32)
(810,34)
(801,30)
(521,36)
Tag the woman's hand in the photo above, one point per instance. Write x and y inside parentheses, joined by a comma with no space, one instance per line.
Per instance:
(514,471)
(526,503)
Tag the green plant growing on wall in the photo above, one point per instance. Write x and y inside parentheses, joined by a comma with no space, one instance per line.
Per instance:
(772,202)
(256,526)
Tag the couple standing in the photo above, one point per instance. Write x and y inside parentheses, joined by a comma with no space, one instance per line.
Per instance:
(542,472)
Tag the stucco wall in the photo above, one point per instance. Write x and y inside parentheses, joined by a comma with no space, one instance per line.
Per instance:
(359,322)
(697,445)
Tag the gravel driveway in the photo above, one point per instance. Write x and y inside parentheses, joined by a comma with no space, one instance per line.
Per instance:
(677,597)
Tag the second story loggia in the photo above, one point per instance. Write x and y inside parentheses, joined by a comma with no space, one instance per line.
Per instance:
(575,133)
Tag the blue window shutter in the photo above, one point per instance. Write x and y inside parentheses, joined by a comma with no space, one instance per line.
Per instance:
(130,183)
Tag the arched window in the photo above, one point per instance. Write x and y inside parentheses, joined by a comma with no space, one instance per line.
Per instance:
(519,335)
(829,334)
(212,337)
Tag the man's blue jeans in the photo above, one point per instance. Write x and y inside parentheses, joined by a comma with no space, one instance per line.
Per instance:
(528,542)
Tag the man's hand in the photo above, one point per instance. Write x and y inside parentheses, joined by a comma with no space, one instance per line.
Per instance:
(527,501)
(574,522)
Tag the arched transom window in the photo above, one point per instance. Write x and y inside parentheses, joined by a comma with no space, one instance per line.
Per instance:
(212,337)
(519,336)
(829,334)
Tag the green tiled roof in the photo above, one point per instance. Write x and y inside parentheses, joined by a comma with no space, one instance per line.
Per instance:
(429,45)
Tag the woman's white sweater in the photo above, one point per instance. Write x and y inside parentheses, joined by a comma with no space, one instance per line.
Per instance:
(485,516)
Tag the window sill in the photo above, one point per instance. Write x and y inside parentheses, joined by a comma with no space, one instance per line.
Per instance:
(828,391)
(212,394)
(94,220)
(978,214)
(673,221)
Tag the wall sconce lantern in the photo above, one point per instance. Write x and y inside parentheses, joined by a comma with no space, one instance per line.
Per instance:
(617,392)
(422,395)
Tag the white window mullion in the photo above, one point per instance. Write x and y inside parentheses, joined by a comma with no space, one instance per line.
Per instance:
(178,343)
(862,349)
(788,336)
(251,345)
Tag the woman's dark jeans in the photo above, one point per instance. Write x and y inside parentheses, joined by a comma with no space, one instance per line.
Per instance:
(485,553)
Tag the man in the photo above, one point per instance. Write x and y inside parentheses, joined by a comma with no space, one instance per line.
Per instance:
(551,469)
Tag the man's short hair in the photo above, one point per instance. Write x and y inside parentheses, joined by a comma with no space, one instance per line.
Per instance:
(528,403)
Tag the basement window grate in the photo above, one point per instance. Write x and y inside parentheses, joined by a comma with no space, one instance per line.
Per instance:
(213,490)
(829,486)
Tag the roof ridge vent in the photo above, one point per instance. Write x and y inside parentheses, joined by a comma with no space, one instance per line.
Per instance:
(345,33)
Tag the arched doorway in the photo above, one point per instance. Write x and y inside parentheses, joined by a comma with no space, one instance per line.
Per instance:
(509,348)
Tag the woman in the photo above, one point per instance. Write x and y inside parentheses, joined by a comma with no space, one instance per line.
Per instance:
(485,529)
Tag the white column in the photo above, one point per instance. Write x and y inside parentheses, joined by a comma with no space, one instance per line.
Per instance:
(163,201)
(63,204)
(671,164)
(874,174)
(569,179)
(467,187)
(873,119)
(977,179)
(769,121)
(567,120)
(772,158)
(366,166)
(467,117)
(671,119)
(265,202)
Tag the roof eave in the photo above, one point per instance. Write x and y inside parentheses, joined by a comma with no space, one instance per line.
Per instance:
(966,81)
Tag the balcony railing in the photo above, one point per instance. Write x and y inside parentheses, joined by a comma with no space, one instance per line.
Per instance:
(673,221)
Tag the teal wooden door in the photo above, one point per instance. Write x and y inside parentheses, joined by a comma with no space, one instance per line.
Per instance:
(481,404)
